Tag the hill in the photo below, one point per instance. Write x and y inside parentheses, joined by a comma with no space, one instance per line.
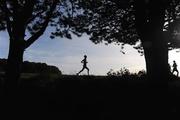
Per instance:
(98,97)
(32,67)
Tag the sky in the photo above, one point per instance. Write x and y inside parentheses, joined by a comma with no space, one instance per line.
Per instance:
(67,55)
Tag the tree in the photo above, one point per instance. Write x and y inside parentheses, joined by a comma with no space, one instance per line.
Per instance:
(25,21)
(151,22)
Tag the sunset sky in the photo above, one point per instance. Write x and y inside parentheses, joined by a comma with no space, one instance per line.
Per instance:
(67,55)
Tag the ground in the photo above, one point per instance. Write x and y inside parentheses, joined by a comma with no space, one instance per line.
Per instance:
(102,96)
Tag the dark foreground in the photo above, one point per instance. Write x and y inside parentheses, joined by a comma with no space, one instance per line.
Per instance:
(92,97)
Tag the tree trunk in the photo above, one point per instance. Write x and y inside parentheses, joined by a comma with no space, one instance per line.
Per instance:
(156,57)
(13,69)
(149,22)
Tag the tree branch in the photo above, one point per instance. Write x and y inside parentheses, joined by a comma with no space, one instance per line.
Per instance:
(33,38)
(28,8)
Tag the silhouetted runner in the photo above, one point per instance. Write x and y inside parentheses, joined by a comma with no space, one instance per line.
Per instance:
(175,68)
(84,61)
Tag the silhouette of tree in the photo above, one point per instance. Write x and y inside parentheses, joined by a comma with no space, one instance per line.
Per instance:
(32,67)
(25,21)
(122,72)
(153,23)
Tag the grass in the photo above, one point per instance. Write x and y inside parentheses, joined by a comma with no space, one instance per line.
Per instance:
(100,95)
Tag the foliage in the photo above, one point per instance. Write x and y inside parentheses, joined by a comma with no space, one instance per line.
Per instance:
(125,72)
(110,21)
(114,21)
(141,73)
(32,17)
(32,67)
(121,72)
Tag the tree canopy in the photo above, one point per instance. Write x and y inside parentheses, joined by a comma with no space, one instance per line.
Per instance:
(30,18)
(114,21)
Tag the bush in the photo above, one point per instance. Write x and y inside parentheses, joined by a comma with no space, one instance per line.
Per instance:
(125,72)
(121,72)
(141,73)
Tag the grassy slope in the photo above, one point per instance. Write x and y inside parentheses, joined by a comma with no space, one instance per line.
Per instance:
(101,95)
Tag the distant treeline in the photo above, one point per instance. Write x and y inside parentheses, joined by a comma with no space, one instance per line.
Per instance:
(32,67)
